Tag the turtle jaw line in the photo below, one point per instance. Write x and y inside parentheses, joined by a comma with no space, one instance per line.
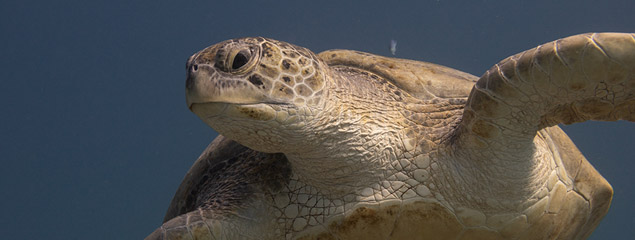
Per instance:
(254,112)
(245,122)
(245,104)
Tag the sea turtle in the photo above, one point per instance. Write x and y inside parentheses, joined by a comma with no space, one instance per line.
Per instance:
(350,145)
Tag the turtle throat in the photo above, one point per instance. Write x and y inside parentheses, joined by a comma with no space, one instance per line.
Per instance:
(346,146)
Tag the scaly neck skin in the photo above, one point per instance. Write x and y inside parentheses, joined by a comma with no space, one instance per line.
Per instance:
(340,161)
(350,141)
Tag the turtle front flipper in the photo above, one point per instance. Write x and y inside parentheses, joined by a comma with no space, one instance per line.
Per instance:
(496,150)
(574,79)
(198,224)
(222,195)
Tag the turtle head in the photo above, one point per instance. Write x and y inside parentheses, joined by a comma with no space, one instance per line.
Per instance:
(255,90)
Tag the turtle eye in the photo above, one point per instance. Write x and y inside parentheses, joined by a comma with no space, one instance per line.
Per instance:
(240,59)
(236,57)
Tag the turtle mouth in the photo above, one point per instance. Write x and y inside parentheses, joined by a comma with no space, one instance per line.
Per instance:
(206,110)
(261,111)
(192,105)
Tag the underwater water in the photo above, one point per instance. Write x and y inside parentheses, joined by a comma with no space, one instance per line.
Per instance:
(95,136)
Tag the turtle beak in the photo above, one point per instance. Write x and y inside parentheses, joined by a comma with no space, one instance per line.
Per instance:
(194,74)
